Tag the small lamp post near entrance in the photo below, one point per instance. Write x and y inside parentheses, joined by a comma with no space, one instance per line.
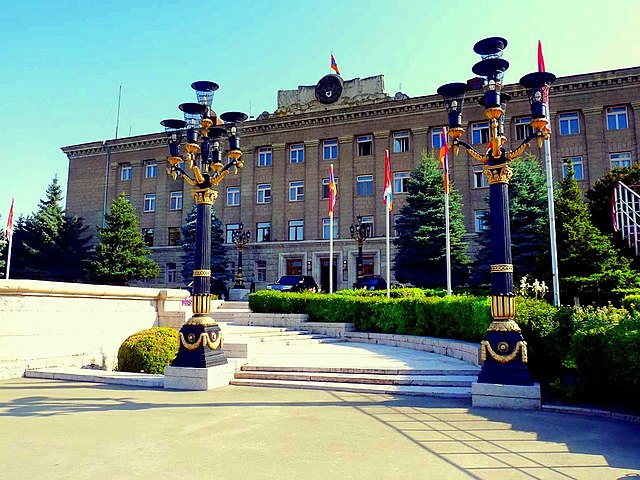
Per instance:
(360,232)
(240,238)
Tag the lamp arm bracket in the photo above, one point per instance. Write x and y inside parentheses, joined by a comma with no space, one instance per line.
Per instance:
(473,152)
(522,147)
(186,176)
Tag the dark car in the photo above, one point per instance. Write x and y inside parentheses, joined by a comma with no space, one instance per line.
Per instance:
(218,288)
(294,283)
(371,282)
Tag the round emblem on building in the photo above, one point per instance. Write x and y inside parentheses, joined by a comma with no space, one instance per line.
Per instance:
(329,89)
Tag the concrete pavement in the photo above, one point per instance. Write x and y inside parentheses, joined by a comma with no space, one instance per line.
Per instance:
(70,430)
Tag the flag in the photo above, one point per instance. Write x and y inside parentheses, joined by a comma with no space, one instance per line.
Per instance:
(540,58)
(387,196)
(333,190)
(334,65)
(9,230)
(444,160)
(545,89)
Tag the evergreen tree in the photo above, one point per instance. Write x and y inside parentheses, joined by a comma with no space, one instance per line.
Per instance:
(122,255)
(218,251)
(421,249)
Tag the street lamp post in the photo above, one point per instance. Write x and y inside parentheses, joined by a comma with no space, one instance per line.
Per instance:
(503,350)
(240,238)
(360,232)
(204,131)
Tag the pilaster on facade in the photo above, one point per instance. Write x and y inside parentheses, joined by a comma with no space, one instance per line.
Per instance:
(595,143)
(279,189)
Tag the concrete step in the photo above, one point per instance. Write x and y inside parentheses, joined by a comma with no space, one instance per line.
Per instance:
(242,306)
(98,376)
(471,371)
(284,339)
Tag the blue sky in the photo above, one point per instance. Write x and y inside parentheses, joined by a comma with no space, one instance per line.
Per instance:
(63,61)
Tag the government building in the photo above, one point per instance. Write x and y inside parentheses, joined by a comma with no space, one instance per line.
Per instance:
(282,193)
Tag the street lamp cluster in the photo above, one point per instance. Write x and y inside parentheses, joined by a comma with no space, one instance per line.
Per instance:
(240,238)
(360,232)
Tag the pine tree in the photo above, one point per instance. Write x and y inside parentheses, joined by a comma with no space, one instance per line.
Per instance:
(421,250)
(218,251)
(122,255)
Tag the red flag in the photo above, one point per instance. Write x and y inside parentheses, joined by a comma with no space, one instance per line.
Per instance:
(444,160)
(9,230)
(334,65)
(333,190)
(540,58)
(387,196)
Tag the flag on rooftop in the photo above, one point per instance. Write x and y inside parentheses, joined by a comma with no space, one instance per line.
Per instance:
(334,65)
(9,230)
(387,196)
(540,58)
(444,159)
(333,190)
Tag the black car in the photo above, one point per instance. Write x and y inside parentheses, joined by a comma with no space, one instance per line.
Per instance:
(371,282)
(294,283)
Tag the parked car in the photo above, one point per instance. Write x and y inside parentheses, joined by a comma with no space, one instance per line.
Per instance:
(294,283)
(218,288)
(371,282)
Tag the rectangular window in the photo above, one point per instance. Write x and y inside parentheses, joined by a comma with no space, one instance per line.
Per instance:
(617,118)
(175,200)
(233,196)
(620,160)
(296,191)
(365,185)
(296,229)
(125,172)
(396,218)
(368,265)
(368,220)
(174,236)
(149,202)
(523,128)
(400,142)
(170,273)
(576,163)
(365,145)
(569,123)
(296,153)
(480,217)
(330,150)
(264,193)
(400,182)
(147,235)
(263,231)
(264,156)
(261,270)
(150,169)
(127,198)
(436,137)
(231,227)
(325,187)
(480,132)
(325,228)
(294,266)
(480,180)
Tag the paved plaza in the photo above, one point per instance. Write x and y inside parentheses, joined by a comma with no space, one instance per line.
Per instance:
(72,430)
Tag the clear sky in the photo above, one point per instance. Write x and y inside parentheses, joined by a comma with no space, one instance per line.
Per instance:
(62,62)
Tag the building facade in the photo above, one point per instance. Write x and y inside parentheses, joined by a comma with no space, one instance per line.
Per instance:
(282,192)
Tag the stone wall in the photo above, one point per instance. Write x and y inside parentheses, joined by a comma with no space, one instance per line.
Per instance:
(45,324)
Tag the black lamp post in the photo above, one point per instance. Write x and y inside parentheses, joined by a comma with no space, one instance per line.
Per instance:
(200,336)
(360,232)
(240,238)
(504,351)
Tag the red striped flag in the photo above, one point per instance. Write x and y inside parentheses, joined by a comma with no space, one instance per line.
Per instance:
(387,196)
(9,230)
(334,65)
(333,190)
(540,58)
(444,160)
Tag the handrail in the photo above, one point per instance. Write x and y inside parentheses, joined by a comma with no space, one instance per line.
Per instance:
(626,214)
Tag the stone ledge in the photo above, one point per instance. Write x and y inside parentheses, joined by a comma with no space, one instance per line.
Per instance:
(516,397)
(183,378)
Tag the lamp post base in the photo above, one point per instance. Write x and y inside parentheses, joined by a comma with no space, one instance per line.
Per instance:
(515,397)
(200,347)
(504,356)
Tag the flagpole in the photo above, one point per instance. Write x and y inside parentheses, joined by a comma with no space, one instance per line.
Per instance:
(448,239)
(330,252)
(9,256)
(388,255)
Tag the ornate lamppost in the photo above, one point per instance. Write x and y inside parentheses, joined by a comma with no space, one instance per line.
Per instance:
(360,232)
(205,132)
(504,351)
(240,238)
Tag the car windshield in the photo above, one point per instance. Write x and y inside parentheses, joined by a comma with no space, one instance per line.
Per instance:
(289,280)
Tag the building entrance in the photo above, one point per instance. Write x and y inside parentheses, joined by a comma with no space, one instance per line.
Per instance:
(324,274)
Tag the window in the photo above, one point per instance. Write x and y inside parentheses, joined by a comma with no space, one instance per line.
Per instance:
(400,182)
(296,191)
(174,236)
(170,273)
(264,193)
(436,137)
(325,187)
(480,132)
(569,124)
(616,118)
(125,172)
(330,150)
(365,185)
(233,196)
(294,266)
(620,160)
(400,142)
(261,270)
(296,153)
(264,156)
(175,201)
(480,217)
(368,220)
(576,163)
(231,227)
(150,169)
(365,145)
(296,229)
(147,236)
(263,231)
(325,228)
(480,180)
(396,218)
(127,198)
(149,202)
(523,128)
(368,265)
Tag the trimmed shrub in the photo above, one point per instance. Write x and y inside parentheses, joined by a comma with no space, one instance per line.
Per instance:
(270,301)
(148,351)
(631,302)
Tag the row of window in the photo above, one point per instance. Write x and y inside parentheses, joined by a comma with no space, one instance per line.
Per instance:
(149,201)
(173,235)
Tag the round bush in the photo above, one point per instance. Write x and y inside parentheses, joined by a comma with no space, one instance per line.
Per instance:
(148,351)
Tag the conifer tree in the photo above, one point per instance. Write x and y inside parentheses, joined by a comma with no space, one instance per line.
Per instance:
(421,249)
(122,255)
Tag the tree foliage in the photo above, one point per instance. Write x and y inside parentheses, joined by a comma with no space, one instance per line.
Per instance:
(421,251)
(122,255)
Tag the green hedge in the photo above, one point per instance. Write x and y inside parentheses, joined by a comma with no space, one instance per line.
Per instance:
(148,351)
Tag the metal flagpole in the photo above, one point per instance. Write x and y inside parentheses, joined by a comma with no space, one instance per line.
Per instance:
(448,238)
(9,256)
(388,254)
(552,223)
(330,252)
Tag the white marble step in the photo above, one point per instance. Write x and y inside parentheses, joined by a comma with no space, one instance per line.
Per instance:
(98,376)
(458,370)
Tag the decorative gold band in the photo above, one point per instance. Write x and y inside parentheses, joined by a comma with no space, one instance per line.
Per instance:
(204,196)
(502,268)
(503,326)
(201,304)
(213,342)
(503,306)
(498,173)
(202,273)
(521,346)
